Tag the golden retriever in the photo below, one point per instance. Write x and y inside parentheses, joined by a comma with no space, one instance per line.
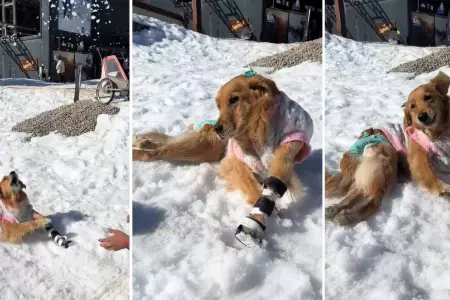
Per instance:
(427,121)
(364,180)
(17,215)
(249,108)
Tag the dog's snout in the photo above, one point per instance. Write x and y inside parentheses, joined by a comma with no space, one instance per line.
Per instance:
(218,128)
(12,173)
(423,117)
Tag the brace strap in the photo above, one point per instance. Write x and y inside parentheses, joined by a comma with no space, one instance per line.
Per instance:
(59,239)
(264,206)
(253,224)
(276,185)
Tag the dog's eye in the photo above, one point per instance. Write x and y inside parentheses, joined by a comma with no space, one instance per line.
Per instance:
(427,98)
(413,106)
(234,99)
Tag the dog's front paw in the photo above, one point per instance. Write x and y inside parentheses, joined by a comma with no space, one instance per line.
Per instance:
(41,223)
(331,212)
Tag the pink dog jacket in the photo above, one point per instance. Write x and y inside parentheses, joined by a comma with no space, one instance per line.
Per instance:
(23,214)
(438,152)
(290,123)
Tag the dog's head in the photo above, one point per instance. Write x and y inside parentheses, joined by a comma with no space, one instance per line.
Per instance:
(243,102)
(427,108)
(10,189)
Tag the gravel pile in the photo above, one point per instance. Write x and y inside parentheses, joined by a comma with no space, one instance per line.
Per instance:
(307,51)
(425,64)
(69,120)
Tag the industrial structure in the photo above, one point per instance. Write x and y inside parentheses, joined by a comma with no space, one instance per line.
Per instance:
(417,22)
(33,32)
(278,21)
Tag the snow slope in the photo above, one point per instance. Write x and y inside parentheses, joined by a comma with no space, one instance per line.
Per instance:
(184,219)
(82,184)
(402,252)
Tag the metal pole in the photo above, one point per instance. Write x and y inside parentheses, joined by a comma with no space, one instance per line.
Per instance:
(306,29)
(340,18)
(197,15)
(14,16)
(78,70)
(3,17)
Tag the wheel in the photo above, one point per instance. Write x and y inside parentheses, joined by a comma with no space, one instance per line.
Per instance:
(105,91)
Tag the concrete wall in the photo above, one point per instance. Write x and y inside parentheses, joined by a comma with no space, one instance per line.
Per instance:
(214,19)
(361,18)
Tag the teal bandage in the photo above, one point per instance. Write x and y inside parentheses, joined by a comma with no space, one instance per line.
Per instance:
(199,125)
(249,73)
(358,147)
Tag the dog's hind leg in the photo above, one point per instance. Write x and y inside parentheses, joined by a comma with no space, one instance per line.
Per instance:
(193,147)
(14,232)
(358,213)
(149,140)
(347,202)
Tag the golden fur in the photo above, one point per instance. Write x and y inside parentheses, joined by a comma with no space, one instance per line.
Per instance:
(430,99)
(246,105)
(363,181)
(12,198)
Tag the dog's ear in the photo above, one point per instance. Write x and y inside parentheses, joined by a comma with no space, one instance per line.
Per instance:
(263,86)
(407,120)
(22,185)
(441,83)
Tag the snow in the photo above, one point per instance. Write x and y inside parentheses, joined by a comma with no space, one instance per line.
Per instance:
(183,218)
(402,252)
(82,184)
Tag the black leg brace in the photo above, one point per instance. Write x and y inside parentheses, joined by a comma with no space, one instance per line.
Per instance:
(56,236)
(273,189)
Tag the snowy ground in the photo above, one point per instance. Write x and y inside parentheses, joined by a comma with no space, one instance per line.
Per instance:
(82,184)
(184,219)
(402,252)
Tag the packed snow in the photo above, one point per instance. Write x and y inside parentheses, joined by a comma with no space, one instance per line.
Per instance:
(82,184)
(184,219)
(401,252)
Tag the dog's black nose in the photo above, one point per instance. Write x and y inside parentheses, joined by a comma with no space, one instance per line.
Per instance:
(218,128)
(14,174)
(423,117)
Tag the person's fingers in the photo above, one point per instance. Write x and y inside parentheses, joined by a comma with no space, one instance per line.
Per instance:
(108,246)
(111,230)
(103,240)
(105,245)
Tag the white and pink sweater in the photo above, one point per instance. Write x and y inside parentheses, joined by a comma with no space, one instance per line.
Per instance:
(23,214)
(438,151)
(290,123)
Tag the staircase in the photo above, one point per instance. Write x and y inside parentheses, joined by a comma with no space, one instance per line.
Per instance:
(17,51)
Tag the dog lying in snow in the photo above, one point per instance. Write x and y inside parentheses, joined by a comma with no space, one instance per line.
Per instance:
(368,172)
(421,148)
(18,218)
(427,125)
(259,137)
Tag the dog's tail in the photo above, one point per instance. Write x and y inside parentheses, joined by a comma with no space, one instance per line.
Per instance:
(335,185)
(377,173)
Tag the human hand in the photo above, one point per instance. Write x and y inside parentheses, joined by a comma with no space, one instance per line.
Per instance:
(117,241)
